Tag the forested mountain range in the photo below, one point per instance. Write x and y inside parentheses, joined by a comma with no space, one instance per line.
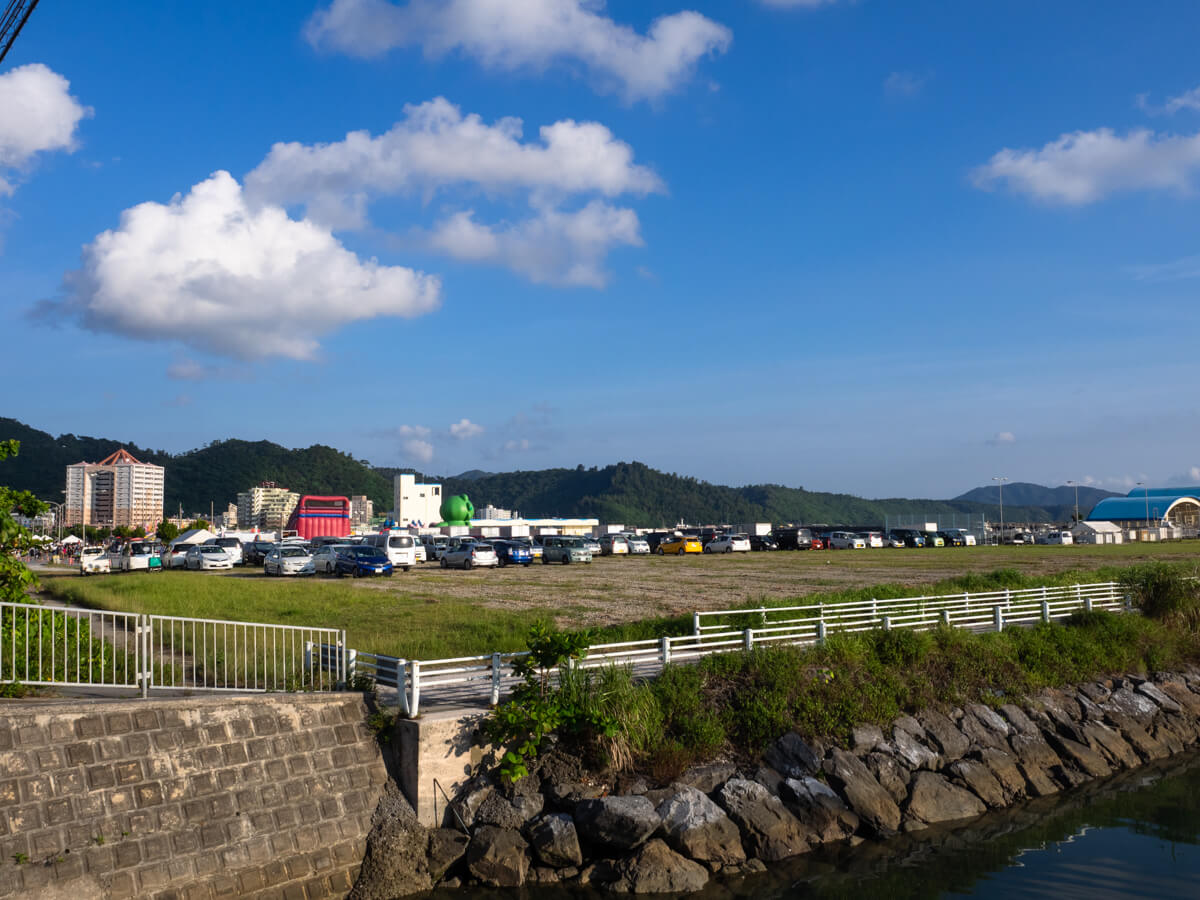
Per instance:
(1022,493)
(630,493)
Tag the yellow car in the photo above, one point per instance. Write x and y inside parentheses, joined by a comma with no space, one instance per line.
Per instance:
(680,545)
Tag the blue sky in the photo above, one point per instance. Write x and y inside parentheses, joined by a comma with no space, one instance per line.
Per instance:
(892,249)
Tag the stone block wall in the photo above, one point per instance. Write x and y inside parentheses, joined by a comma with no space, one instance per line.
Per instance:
(249,796)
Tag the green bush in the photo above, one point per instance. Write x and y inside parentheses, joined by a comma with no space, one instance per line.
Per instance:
(1165,591)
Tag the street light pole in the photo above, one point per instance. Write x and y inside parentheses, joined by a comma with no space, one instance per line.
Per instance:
(1146,494)
(1076,484)
(1000,480)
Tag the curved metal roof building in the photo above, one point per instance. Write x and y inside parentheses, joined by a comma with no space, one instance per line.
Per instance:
(1178,506)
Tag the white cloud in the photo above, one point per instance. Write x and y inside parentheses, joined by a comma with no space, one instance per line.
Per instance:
(435,145)
(797,4)
(465,429)
(516,446)
(903,84)
(1189,100)
(1176,270)
(1085,166)
(421,451)
(419,431)
(216,275)
(1002,437)
(530,34)
(552,247)
(37,115)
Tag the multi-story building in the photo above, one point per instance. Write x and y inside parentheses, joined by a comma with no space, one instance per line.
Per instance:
(116,491)
(265,507)
(361,511)
(418,504)
(495,512)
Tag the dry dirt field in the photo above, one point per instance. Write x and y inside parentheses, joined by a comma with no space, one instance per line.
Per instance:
(620,589)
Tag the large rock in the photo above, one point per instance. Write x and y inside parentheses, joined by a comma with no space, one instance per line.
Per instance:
(555,841)
(497,810)
(912,752)
(1111,744)
(769,831)
(620,823)
(1166,735)
(396,861)
(709,777)
(932,798)
(978,779)
(1138,707)
(699,829)
(1007,772)
(498,857)
(1178,692)
(467,802)
(791,757)
(816,805)
(1155,693)
(865,738)
(1146,746)
(985,727)
(952,743)
(1084,758)
(863,793)
(1040,765)
(657,869)
(890,773)
(1021,723)
(1095,691)
(446,847)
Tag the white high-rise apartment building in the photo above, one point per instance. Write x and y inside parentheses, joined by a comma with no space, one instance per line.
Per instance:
(416,503)
(266,507)
(118,490)
(361,511)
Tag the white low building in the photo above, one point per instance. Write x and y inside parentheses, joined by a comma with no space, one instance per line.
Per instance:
(1097,532)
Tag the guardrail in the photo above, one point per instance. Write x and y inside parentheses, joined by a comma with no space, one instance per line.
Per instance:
(67,647)
(470,678)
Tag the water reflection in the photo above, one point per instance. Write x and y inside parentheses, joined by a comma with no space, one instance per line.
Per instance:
(1134,835)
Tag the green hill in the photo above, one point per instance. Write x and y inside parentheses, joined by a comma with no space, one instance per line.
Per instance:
(212,474)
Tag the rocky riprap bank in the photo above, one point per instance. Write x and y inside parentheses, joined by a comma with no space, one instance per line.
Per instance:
(557,826)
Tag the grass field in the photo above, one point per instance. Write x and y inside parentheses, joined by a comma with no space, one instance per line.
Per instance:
(430,612)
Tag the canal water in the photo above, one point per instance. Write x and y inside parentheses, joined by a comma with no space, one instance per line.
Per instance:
(1134,835)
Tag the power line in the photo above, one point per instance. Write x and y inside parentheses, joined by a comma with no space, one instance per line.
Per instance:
(16,14)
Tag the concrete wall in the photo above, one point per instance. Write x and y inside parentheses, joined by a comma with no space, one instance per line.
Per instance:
(267,795)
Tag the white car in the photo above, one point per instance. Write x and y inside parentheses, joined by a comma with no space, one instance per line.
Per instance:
(232,546)
(203,557)
(614,545)
(637,546)
(94,561)
(846,540)
(468,555)
(177,556)
(419,548)
(324,559)
(873,538)
(728,543)
(289,560)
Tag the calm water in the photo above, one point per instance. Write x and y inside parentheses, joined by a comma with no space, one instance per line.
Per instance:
(1135,835)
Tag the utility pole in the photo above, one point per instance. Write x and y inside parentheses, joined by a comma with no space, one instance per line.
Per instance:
(1076,485)
(1146,493)
(1000,479)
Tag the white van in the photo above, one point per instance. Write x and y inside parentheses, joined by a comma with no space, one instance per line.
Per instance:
(1059,537)
(398,545)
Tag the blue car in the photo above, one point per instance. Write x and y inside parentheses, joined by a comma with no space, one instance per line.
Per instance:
(361,559)
(513,552)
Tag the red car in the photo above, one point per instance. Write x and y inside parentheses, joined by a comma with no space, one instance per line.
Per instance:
(817,543)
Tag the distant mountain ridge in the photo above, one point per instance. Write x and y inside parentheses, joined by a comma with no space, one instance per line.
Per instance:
(629,493)
(1022,493)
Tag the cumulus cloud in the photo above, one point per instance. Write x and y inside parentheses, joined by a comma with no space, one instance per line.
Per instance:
(211,272)
(421,451)
(419,431)
(552,247)
(37,115)
(531,34)
(435,145)
(465,429)
(1085,166)
(1188,100)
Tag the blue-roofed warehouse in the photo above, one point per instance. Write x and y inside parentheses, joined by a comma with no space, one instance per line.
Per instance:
(1151,507)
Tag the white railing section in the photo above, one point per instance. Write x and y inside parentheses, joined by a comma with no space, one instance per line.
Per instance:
(42,645)
(467,679)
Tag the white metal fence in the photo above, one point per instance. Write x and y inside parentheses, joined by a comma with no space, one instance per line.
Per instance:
(42,645)
(470,679)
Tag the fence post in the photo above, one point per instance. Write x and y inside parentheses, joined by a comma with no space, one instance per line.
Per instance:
(415,675)
(143,645)
(1045,611)
(696,623)
(347,659)
(874,608)
(1128,601)
(748,640)
(1087,604)
(402,686)
(998,617)
(946,616)
(495,679)
(887,623)
(820,631)
(664,648)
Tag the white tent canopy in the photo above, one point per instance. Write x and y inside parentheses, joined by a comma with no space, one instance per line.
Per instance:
(194,536)
(72,539)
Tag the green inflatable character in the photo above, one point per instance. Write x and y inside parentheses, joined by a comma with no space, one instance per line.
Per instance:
(456,510)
